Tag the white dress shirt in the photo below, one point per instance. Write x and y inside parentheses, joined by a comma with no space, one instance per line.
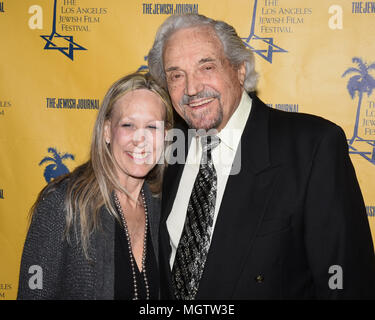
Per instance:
(223,156)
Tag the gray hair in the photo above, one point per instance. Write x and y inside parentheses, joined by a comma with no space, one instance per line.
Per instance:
(233,46)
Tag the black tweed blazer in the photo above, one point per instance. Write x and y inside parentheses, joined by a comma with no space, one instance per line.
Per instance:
(66,273)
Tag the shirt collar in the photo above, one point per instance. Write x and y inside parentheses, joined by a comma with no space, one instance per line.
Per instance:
(230,135)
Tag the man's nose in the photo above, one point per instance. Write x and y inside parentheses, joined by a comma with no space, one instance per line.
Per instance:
(193,84)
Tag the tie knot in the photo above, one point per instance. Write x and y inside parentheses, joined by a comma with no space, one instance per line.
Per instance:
(209,143)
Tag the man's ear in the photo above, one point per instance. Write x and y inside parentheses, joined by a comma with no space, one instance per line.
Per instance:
(107,131)
(241,72)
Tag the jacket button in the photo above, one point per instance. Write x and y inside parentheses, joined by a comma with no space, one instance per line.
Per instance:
(259,278)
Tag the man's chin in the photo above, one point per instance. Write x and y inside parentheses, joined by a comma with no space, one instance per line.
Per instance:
(204,125)
(206,118)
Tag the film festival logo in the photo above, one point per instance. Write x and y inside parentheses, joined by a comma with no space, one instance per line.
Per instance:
(360,83)
(256,43)
(63,43)
(57,167)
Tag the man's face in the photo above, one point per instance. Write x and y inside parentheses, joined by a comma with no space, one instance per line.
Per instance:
(204,87)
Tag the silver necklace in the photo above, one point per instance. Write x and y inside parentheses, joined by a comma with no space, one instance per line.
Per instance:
(132,262)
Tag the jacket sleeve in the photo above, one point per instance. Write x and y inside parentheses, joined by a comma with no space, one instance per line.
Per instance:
(43,253)
(337,234)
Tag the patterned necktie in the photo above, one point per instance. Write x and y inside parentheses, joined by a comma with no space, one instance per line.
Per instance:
(194,243)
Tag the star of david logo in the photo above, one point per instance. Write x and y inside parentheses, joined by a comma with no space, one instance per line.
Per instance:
(266,51)
(56,41)
(64,44)
(262,46)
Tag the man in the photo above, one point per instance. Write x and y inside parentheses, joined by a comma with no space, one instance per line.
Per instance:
(288,222)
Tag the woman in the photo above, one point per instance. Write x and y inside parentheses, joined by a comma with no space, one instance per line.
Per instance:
(93,233)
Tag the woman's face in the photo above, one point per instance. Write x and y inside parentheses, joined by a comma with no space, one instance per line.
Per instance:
(136,133)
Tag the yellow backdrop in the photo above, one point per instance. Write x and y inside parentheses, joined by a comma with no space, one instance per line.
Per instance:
(60,56)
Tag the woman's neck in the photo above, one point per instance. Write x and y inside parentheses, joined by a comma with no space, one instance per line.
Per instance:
(133,186)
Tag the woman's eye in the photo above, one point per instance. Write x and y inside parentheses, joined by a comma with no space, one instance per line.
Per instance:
(126,125)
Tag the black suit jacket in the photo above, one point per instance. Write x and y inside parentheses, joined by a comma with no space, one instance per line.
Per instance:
(294,210)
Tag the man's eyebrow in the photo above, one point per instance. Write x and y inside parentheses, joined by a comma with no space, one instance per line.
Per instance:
(171,69)
(201,61)
(204,60)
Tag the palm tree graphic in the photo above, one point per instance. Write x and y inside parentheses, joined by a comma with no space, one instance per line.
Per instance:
(361,83)
(57,168)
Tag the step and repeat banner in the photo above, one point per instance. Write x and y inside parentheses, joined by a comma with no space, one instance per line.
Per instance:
(58,58)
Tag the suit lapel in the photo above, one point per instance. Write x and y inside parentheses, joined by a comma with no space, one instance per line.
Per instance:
(171,182)
(244,202)
(173,172)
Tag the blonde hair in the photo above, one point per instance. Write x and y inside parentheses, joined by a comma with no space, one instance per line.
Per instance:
(90,185)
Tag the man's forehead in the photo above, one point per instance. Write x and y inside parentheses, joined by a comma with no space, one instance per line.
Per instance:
(201,41)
